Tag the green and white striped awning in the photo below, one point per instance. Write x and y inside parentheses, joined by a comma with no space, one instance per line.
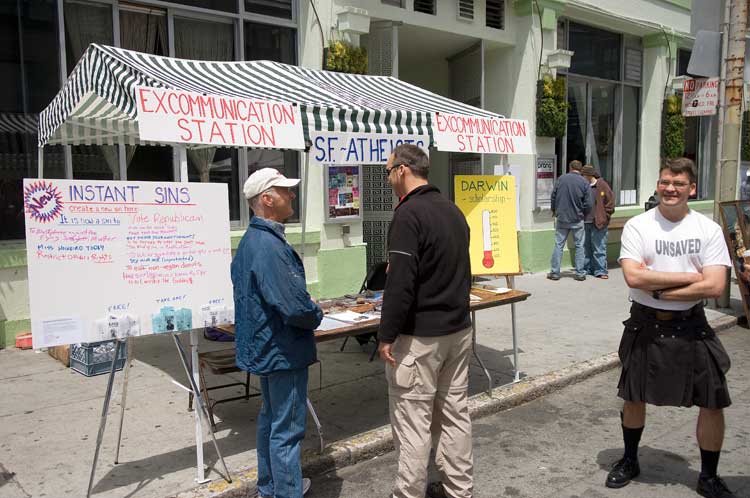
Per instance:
(97,103)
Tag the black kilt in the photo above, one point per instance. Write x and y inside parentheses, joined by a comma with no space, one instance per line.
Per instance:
(674,362)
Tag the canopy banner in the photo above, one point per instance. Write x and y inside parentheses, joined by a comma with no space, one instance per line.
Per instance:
(489,204)
(481,135)
(176,116)
(121,259)
(359,148)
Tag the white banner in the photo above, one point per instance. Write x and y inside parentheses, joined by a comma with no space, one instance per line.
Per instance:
(457,133)
(342,148)
(175,116)
(700,96)
(119,259)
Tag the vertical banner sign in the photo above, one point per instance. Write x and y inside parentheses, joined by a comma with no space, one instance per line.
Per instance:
(121,259)
(481,135)
(342,148)
(489,204)
(343,193)
(700,96)
(545,181)
(175,116)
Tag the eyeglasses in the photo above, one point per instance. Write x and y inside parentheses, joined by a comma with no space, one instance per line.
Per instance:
(388,170)
(677,185)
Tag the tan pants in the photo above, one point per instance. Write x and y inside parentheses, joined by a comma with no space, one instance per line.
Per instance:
(428,400)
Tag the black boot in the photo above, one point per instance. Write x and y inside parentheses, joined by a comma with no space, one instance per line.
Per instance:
(622,473)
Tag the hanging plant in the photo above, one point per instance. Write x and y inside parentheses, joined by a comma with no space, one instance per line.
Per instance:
(344,58)
(672,128)
(551,107)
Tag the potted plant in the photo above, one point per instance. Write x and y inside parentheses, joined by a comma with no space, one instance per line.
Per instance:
(551,107)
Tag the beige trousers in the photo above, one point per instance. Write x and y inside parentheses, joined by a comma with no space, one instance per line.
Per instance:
(428,401)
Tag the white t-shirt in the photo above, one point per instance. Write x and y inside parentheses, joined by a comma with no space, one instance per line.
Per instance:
(686,246)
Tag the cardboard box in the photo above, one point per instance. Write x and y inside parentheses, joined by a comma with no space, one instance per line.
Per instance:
(61,354)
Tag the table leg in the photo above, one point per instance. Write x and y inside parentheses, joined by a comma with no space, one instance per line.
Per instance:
(474,350)
(516,371)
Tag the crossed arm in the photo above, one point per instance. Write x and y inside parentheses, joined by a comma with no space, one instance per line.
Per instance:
(676,286)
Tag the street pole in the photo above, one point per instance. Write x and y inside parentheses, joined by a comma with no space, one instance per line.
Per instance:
(734,30)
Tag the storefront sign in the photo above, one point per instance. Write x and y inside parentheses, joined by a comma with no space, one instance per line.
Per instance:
(343,193)
(700,96)
(458,133)
(545,180)
(175,116)
(489,204)
(359,148)
(122,259)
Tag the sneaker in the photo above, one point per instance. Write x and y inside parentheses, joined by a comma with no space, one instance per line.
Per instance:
(622,473)
(306,485)
(579,278)
(713,487)
(436,490)
(553,276)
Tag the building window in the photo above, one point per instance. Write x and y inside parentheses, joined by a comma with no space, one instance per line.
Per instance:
(425,6)
(29,79)
(683,58)
(222,5)
(394,3)
(495,14)
(273,8)
(595,52)
(466,9)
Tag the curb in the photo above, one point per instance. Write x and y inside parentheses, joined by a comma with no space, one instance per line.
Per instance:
(379,441)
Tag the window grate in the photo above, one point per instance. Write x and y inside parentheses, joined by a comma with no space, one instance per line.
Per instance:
(425,6)
(495,14)
(466,9)
(633,65)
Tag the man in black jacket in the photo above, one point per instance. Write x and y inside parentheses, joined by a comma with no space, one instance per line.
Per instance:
(425,332)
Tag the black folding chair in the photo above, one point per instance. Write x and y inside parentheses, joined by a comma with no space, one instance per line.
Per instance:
(374,281)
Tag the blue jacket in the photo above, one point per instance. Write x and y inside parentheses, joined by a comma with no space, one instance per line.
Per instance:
(571,199)
(274,315)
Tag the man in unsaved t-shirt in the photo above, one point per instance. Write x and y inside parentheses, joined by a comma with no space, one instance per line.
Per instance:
(672,258)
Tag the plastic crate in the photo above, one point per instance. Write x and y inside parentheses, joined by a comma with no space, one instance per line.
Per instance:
(95,358)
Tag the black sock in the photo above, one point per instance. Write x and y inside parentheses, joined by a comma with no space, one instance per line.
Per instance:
(631,437)
(709,462)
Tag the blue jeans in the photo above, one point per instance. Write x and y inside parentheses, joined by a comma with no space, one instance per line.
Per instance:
(281,429)
(561,235)
(596,250)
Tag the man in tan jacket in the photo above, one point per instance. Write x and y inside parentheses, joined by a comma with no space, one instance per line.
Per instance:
(596,223)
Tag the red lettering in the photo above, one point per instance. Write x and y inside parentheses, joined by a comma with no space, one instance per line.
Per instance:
(142,99)
(160,104)
(182,124)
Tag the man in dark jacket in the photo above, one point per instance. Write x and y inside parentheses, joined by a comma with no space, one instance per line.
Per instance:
(571,200)
(597,223)
(425,332)
(274,323)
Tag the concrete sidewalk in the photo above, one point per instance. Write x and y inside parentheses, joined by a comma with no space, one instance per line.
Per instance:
(49,415)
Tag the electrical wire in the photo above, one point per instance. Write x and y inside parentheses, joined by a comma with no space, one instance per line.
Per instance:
(320,26)
(541,39)
(669,62)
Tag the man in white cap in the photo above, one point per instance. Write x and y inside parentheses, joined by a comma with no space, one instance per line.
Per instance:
(274,323)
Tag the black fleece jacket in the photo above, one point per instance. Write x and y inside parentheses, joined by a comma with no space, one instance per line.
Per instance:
(429,273)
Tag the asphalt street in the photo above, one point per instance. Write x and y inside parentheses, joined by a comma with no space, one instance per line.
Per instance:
(562,445)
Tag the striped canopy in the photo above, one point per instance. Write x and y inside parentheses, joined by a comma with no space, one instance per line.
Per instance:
(97,103)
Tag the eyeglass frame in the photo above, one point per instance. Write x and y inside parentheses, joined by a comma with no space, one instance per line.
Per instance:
(677,185)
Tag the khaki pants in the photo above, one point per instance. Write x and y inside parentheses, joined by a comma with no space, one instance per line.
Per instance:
(428,401)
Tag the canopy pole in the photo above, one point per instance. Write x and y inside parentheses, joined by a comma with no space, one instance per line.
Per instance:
(303,205)
(40,161)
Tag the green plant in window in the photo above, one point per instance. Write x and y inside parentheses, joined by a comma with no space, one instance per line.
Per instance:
(672,128)
(345,58)
(551,107)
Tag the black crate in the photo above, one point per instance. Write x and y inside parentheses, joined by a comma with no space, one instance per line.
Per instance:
(95,358)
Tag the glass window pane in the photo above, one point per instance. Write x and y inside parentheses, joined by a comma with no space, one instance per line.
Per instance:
(217,165)
(275,8)
(95,162)
(596,52)
(273,43)
(602,129)
(144,31)
(223,5)
(85,24)
(683,58)
(631,104)
(577,116)
(149,163)
(203,40)
(285,161)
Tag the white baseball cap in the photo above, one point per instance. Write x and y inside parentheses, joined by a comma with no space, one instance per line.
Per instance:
(265,178)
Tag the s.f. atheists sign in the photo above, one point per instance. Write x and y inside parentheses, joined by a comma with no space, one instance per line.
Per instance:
(481,135)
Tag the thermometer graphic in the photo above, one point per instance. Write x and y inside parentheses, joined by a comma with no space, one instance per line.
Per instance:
(488,261)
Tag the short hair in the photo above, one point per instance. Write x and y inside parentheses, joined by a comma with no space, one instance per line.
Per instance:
(576,165)
(413,158)
(680,165)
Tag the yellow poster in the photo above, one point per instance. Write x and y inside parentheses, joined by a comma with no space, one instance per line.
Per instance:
(489,204)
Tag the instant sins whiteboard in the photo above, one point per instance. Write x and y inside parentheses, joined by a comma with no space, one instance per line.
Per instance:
(118,259)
